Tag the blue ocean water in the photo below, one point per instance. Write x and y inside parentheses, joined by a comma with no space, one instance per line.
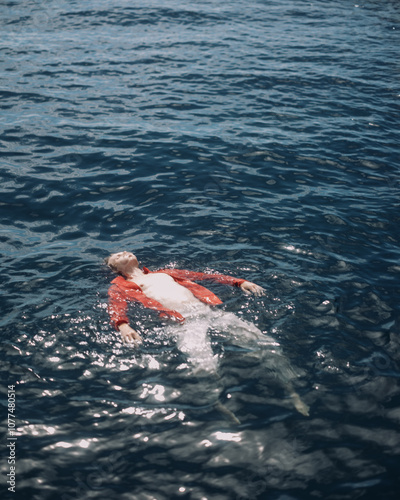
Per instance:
(254,138)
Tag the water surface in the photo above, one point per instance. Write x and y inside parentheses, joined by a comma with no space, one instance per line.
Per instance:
(253,138)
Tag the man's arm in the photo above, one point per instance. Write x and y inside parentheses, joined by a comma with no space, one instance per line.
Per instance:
(247,286)
(117,306)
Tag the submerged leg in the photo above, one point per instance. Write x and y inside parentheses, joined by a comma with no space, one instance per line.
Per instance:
(266,350)
(298,403)
(193,340)
(228,413)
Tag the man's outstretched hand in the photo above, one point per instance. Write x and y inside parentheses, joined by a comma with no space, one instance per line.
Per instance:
(249,287)
(129,335)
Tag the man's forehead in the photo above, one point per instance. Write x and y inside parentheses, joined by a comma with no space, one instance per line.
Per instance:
(116,254)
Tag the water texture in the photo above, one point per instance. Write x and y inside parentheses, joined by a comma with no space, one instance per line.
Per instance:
(258,139)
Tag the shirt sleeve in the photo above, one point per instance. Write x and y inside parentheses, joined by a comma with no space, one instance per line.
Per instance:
(196,276)
(117,306)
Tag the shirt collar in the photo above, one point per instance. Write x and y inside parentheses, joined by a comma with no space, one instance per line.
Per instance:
(121,281)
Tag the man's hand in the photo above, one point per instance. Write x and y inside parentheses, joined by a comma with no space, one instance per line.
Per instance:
(249,287)
(129,335)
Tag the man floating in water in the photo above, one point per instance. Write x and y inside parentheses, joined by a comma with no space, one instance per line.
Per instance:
(174,294)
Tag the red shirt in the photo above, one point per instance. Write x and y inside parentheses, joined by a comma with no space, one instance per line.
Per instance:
(122,291)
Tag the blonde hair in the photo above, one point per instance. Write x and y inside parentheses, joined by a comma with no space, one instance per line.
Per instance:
(107,263)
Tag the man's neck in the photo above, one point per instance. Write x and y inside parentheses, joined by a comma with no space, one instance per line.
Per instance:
(134,274)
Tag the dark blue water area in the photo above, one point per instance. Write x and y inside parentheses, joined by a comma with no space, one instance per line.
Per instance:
(258,139)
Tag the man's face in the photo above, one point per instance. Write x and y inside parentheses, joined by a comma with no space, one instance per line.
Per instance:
(123,262)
